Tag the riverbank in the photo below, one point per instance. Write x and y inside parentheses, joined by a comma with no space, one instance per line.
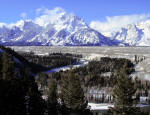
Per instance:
(81,63)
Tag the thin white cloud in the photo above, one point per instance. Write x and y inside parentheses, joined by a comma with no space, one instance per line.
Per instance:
(116,22)
(40,10)
(43,17)
(23,15)
(48,16)
(2,24)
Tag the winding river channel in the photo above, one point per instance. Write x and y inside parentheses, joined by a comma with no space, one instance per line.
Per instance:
(81,63)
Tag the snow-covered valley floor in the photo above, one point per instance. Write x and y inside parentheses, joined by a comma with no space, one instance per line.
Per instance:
(142,69)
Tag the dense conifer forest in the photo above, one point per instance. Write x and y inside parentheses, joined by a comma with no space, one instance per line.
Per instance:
(20,94)
(26,90)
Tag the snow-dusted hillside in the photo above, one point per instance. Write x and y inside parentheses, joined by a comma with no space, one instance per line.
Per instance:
(134,34)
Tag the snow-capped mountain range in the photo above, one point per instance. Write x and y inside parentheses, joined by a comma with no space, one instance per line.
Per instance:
(68,29)
(134,34)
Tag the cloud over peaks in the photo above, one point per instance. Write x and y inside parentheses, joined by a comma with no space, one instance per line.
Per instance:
(48,16)
(23,15)
(116,22)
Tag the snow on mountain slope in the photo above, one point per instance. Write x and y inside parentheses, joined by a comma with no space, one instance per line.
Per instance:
(134,34)
(82,37)
(53,28)
(57,27)
(21,32)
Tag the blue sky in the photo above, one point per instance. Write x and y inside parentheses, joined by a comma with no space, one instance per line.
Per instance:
(88,10)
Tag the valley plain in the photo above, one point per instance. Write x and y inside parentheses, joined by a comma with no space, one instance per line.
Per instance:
(142,68)
(87,52)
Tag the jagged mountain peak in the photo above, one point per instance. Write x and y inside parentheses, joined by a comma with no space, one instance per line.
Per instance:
(52,28)
(134,34)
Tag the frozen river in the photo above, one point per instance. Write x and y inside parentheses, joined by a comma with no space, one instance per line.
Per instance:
(64,68)
(89,53)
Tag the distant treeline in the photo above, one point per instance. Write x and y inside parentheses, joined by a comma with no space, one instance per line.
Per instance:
(92,75)
(52,60)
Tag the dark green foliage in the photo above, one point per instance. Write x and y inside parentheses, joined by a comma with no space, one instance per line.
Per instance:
(12,95)
(72,94)
(41,63)
(12,101)
(136,60)
(25,64)
(41,79)
(34,100)
(52,92)
(107,64)
(92,74)
(8,69)
(1,68)
(50,61)
(19,93)
(52,98)
(123,93)
(36,103)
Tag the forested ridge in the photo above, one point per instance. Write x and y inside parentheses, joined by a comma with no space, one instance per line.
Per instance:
(20,94)
(66,92)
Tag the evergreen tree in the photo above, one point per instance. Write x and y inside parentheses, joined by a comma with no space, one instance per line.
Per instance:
(103,98)
(8,69)
(34,103)
(19,93)
(1,68)
(11,91)
(41,79)
(73,95)
(52,98)
(123,93)
(15,97)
